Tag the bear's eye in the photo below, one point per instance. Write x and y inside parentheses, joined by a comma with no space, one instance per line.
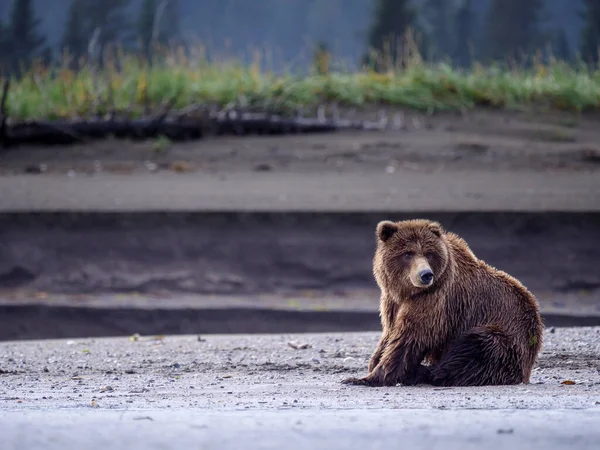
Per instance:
(408,256)
(429,255)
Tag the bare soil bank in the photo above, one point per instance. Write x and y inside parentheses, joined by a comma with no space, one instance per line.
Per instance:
(282,255)
(481,161)
(212,253)
(480,140)
(40,321)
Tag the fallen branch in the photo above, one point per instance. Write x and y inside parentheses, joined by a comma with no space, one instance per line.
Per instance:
(175,126)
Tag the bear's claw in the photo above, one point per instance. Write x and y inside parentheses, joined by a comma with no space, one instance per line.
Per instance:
(356,381)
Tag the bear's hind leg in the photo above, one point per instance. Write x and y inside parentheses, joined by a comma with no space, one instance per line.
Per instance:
(482,356)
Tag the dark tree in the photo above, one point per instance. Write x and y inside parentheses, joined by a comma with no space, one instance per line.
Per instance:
(4,47)
(75,38)
(512,28)
(107,23)
(590,36)
(158,23)
(145,26)
(441,36)
(560,46)
(23,37)
(170,22)
(392,19)
(465,27)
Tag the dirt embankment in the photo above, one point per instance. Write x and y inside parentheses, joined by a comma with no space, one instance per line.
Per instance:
(270,253)
(487,176)
(183,272)
(477,140)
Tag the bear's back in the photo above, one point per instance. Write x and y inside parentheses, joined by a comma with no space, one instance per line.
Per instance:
(480,294)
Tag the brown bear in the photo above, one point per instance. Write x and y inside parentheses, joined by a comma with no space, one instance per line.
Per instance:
(471,324)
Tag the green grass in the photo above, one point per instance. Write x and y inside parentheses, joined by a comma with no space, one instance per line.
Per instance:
(61,93)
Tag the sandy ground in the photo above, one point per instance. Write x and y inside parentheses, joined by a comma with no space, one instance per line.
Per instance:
(302,429)
(402,191)
(481,161)
(218,391)
(265,372)
(479,140)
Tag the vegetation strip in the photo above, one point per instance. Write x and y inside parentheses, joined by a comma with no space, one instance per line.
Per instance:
(135,88)
(101,83)
(64,106)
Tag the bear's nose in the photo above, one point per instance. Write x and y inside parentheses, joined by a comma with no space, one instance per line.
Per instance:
(426,276)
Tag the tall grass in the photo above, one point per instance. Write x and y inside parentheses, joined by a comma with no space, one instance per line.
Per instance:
(135,87)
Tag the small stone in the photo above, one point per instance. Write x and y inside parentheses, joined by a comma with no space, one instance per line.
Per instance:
(298,346)
(180,166)
(263,167)
(591,155)
(151,166)
(33,169)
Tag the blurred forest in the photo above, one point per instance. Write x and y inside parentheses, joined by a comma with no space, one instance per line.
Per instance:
(292,29)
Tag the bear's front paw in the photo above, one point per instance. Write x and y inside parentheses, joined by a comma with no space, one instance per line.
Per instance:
(365,381)
(356,381)
(374,378)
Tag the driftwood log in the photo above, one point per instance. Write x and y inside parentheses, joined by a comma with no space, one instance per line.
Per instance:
(177,126)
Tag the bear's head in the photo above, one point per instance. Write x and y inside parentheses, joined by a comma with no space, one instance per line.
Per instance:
(411,255)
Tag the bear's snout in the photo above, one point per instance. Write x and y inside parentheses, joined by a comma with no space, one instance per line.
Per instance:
(426,276)
(421,275)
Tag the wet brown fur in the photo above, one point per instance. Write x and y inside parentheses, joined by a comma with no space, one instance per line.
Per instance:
(473,325)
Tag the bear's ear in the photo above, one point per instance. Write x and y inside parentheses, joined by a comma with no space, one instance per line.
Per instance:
(386,230)
(436,229)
